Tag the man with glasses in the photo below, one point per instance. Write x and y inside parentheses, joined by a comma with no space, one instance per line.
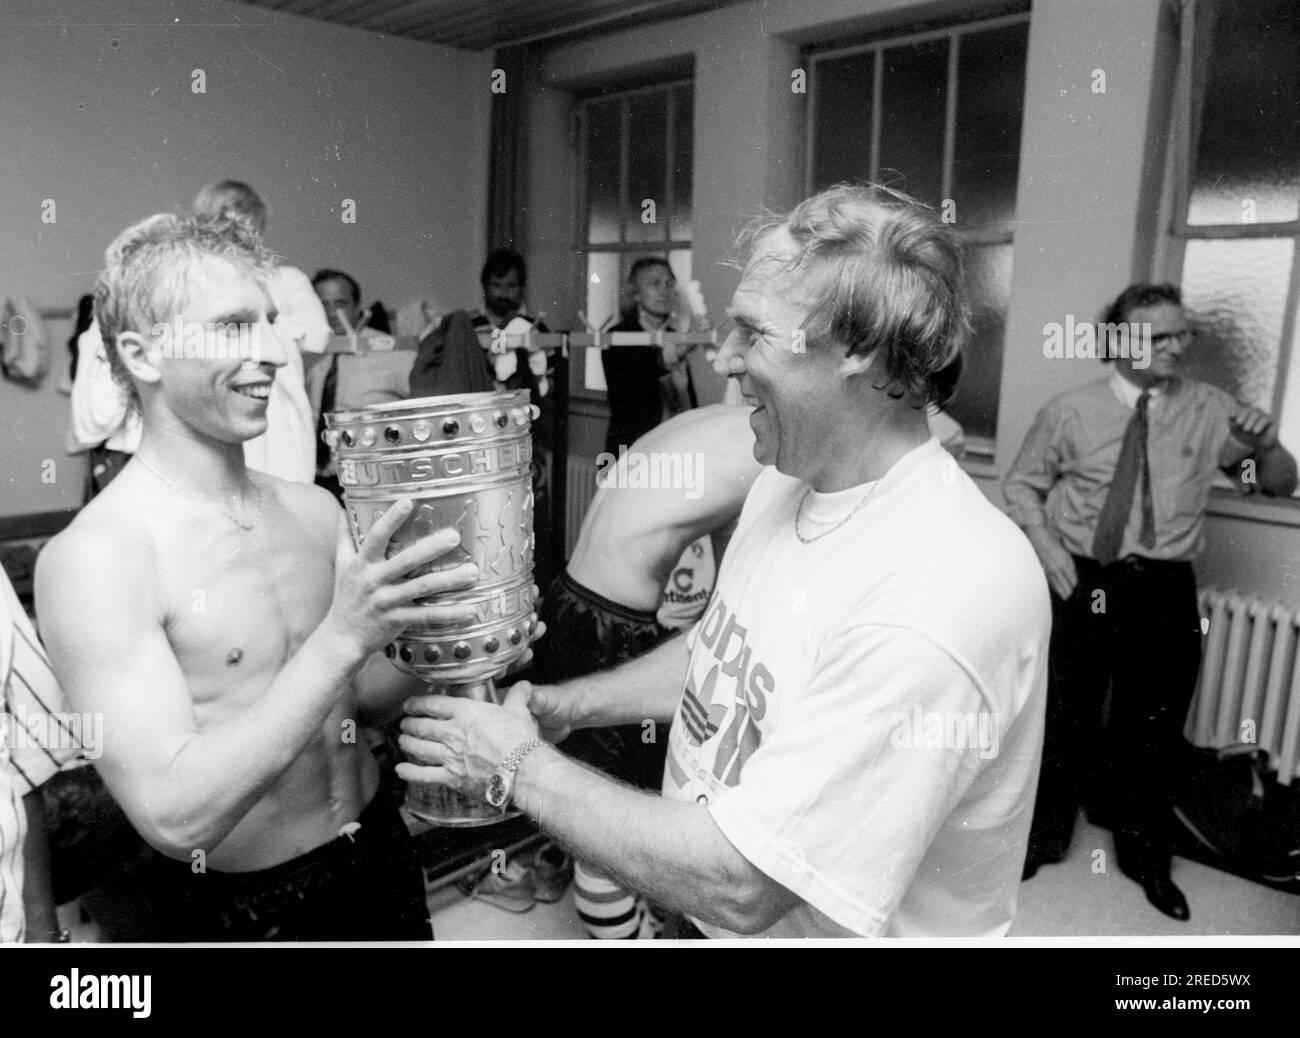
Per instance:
(1110,487)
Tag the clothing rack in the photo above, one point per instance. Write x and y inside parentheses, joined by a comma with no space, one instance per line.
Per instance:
(494,340)
(498,341)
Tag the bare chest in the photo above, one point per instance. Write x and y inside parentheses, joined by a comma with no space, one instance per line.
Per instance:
(238,604)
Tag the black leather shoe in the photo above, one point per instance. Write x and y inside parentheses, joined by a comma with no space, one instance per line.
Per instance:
(1162,893)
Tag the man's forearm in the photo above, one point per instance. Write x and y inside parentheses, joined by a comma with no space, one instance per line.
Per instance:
(382,688)
(218,774)
(647,688)
(42,922)
(669,850)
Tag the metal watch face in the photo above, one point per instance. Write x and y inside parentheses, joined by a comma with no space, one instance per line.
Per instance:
(498,790)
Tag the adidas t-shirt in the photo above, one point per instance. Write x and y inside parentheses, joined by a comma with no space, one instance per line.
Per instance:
(863,714)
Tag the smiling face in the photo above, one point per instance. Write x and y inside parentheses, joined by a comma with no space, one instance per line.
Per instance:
(1170,337)
(221,395)
(793,387)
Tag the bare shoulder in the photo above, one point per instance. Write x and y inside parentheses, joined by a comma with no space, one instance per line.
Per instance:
(108,546)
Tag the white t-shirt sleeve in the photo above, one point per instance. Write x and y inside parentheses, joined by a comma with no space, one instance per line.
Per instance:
(301,318)
(841,802)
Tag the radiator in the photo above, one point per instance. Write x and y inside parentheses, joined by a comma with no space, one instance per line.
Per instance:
(1249,687)
(581,488)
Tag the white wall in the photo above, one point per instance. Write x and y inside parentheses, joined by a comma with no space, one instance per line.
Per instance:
(99,114)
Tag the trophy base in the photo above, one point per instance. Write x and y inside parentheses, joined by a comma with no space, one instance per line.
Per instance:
(444,807)
(449,809)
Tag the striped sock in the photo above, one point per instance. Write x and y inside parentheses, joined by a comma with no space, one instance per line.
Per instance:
(607,910)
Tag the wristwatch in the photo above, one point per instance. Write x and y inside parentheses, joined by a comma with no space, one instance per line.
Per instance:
(502,782)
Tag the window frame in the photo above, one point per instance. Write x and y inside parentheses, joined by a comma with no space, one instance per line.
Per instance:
(1169,254)
(980,450)
(583,248)
(1171,248)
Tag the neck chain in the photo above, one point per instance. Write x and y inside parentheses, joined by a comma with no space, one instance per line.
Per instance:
(817,537)
(246,527)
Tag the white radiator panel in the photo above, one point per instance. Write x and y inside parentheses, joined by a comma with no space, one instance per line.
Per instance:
(1249,687)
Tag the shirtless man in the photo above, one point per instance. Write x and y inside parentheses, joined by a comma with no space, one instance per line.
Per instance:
(220,622)
(601,611)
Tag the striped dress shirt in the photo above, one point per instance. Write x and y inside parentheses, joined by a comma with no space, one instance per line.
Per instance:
(37,739)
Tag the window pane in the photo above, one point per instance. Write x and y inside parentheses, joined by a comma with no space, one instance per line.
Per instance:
(912,119)
(1235,291)
(683,156)
(1249,147)
(988,286)
(990,103)
(602,171)
(1289,420)
(603,285)
(842,131)
(647,167)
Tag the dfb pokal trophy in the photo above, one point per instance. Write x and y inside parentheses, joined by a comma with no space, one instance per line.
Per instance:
(465,462)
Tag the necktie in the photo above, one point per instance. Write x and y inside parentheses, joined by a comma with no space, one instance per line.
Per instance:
(1119,500)
(328,393)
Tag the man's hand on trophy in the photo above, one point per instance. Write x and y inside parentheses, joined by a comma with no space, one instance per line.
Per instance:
(556,708)
(374,601)
(460,742)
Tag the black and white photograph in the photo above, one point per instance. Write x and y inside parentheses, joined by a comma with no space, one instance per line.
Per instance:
(526,474)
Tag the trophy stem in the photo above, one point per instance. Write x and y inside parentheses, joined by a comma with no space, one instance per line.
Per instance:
(446,807)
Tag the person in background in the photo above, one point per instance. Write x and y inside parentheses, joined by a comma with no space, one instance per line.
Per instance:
(288,447)
(646,384)
(37,741)
(605,608)
(442,366)
(372,371)
(1110,486)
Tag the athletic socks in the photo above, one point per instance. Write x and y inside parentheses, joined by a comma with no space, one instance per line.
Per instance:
(607,910)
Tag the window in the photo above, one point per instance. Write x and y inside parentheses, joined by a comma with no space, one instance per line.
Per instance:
(636,201)
(1233,192)
(937,114)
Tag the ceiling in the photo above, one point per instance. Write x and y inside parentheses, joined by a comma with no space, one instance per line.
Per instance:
(486,24)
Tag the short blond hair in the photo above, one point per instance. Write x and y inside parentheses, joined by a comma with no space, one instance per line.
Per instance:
(146,274)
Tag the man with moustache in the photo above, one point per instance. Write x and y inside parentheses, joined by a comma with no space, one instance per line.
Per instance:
(868,578)
(220,622)
(1111,486)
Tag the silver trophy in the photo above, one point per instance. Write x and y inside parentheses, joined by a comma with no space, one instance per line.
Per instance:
(465,461)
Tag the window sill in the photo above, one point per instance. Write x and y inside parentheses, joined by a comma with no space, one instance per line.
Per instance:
(1256,508)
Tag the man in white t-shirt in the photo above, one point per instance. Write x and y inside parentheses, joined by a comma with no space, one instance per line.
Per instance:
(857,719)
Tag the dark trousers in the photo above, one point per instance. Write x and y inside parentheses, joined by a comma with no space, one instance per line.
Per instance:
(368,886)
(1131,627)
(586,632)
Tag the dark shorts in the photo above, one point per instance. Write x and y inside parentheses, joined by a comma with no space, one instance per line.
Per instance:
(365,887)
(586,633)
